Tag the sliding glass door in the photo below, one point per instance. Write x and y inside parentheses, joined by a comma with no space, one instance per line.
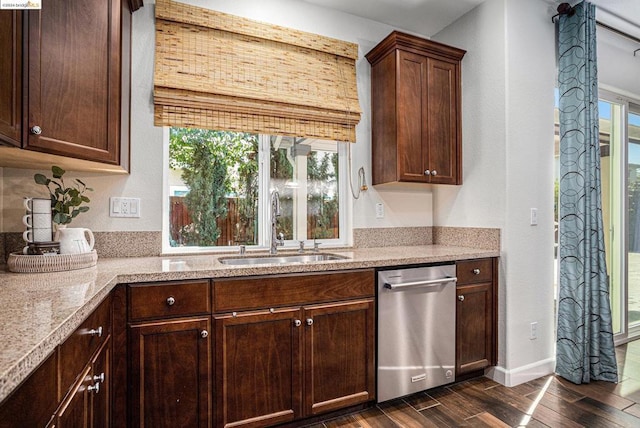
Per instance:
(632,138)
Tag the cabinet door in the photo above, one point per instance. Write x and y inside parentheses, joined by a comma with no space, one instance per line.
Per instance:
(171,374)
(101,391)
(74,411)
(34,403)
(10,76)
(339,355)
(73,64)
(442,122)
(474,327)
(258,366)
(411,97)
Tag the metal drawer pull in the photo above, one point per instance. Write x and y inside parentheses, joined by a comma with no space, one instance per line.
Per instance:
(95,388)
(204,334)
(99,378)
(96,331)
(171,300)
(434,172)
(461,298)
(36,130)
(309,321)
(297,323)
(429,283)
(427,172)
(476,271)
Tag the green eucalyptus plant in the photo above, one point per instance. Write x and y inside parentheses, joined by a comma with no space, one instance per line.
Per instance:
(65,201)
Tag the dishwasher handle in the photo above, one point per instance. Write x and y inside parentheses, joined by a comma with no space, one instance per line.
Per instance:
(419,284)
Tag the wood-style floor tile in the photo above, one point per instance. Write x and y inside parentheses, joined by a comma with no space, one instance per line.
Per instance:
(406,416)
(546,402)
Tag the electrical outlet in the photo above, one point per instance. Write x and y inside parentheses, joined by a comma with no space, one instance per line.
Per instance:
(124,207)
(533,335)
(379,210)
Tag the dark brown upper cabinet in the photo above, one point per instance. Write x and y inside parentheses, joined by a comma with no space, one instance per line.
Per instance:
(416,111)
(65,86)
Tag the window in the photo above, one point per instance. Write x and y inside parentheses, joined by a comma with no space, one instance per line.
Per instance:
(219,186)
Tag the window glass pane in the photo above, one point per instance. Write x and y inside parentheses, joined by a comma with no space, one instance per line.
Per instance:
(305,174)
(213,188)
(633,174)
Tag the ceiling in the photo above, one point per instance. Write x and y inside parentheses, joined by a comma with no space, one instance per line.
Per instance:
(428,17)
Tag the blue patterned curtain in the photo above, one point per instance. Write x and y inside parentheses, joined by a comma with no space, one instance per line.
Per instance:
(584,348)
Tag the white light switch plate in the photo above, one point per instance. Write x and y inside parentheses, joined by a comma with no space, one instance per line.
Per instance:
(379,210)
(534,217)
(124,207)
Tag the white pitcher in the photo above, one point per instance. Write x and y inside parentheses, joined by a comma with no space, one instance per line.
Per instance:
(73,240)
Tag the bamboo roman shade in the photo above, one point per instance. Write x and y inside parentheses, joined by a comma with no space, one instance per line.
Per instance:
(224,72)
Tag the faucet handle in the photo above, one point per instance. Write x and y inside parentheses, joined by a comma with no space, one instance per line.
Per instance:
(316,245)
(301,249)
(280,241)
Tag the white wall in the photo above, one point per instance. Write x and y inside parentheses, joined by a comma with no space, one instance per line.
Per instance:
(405,206)
(618,69)
(508,81)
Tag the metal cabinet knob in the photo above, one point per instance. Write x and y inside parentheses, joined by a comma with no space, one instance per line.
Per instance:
(171,300)
(297,323)
(35,130)
(204,334)
(95,387)
(434,172)
(96,332)
(461,298)
(427,172)
(476,271)
(309,321)
(99,378)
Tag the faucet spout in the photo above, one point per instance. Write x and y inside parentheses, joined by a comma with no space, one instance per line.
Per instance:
(276,240)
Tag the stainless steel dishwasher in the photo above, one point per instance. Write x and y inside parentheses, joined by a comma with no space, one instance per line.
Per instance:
(416,329)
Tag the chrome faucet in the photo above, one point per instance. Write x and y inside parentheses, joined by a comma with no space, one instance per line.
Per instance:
(277,240)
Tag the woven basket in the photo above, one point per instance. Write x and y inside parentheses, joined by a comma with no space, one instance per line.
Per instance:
(50,263)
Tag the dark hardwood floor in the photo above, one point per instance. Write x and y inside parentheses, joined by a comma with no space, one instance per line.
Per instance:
(546,402)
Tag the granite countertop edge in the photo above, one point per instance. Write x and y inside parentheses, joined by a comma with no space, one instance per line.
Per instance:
(32,292)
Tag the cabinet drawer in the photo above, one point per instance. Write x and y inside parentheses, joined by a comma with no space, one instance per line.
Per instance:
(169,299)
(76,351)
(472,271)
(296,289)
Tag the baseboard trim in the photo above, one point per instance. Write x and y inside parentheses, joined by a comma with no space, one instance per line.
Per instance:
(522,374)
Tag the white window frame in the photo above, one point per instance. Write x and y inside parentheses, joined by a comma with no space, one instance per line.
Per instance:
(264,190)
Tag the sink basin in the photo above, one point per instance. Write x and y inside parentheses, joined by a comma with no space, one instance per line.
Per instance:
(281,259)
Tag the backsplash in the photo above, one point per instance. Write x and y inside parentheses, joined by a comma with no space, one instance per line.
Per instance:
(392,236)
(149,244)
(108,244)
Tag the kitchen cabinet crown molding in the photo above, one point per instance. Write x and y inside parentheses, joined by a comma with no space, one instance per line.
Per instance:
(413,44)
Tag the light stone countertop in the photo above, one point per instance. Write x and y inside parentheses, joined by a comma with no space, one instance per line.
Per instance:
(39,311)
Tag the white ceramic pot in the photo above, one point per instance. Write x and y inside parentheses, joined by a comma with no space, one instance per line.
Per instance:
(73,240)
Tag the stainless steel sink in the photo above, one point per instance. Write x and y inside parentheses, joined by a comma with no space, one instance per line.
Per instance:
(281,259)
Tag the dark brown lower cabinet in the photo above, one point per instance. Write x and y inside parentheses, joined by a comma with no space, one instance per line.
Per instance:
(38,394)
(101,397)
(75,411)
(281,365)
(171,373)
(258,367)
(476,315)
(87,405)
(339,365)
